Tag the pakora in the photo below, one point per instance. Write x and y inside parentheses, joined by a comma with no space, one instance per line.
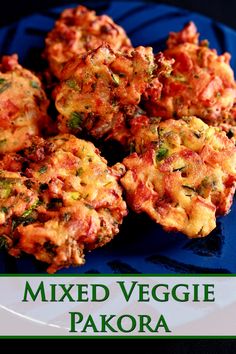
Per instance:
(58,199)
(23,106)
(199,82)
(101,89)
(186,179)
(78,31)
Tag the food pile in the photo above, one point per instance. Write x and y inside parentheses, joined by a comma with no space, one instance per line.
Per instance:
(172,113)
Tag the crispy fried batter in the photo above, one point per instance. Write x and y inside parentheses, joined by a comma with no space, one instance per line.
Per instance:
(67,201)
(79,30)
(58,197)
(23,106)
(187,180)
(143,133)
(101,89)
(201,83)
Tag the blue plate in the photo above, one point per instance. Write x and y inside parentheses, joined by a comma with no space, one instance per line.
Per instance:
(142,246)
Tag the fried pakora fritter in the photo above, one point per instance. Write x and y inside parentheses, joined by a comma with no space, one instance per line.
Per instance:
(23,106)
(59,199)
(198,82)
(185,179)
(101,89)
(143,133)
(79,30)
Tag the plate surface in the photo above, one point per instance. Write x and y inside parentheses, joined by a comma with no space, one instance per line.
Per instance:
(142,246)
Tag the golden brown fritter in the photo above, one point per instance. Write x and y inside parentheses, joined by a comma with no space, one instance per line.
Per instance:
(79,30)
(200,82)
(143,133)
(186,179)
(65,200)
(23,106)
(101,89)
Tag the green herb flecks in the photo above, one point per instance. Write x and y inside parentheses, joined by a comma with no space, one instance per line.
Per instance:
(161,154)
(31,209)
(3,243)
(3,142)
(180,78)
(71,83)
(5,188)
(75,120)
(4,85)
(131,148)
(66,217)
(4,210)
(42,169)
(79,172)
(115,79)
(34,84)
(153,129)
(75,195)
(99,239)
(89,206)
(205,43)
(22,221)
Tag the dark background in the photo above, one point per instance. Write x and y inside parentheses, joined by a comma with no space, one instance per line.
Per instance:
(220,10)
